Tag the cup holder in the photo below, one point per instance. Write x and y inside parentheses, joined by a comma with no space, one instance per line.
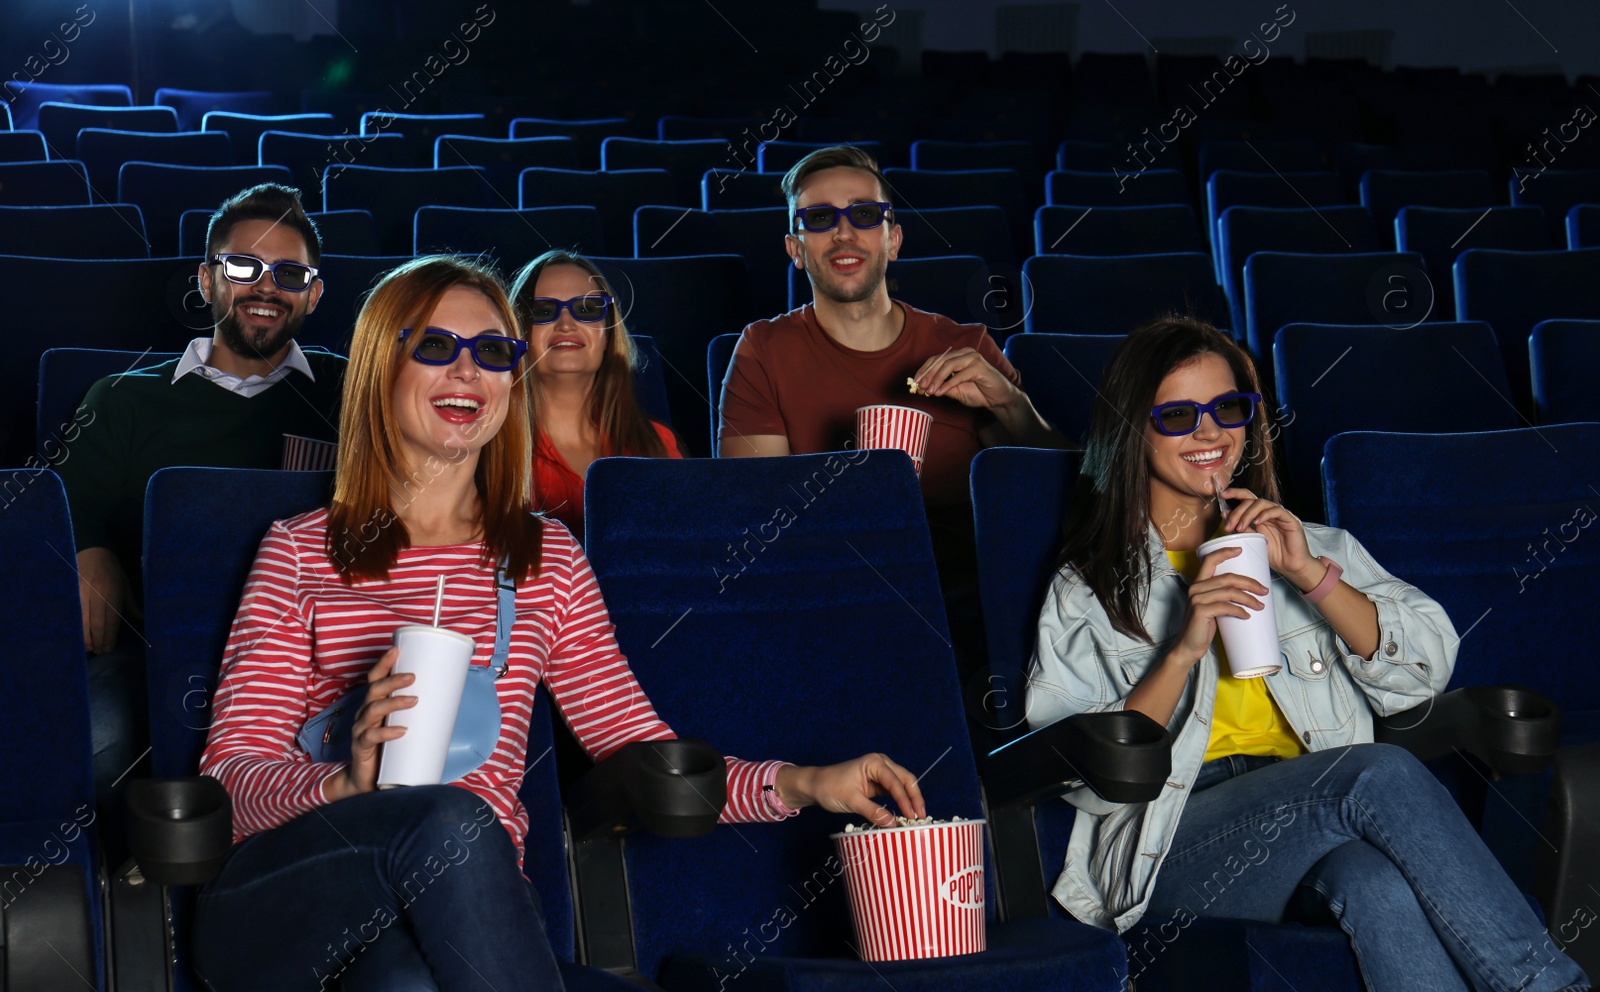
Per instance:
(1520,728)
(675,788)
(180,830)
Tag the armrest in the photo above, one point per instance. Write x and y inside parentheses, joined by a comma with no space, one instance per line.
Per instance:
(673,788)
(1511,728)
(180,830)
(1125,757)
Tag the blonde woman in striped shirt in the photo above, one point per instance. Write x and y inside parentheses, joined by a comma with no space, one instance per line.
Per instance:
(432,481)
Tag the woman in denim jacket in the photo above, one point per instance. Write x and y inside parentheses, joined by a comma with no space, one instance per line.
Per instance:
(1277,790)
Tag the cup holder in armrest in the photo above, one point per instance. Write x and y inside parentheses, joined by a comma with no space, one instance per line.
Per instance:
(180,830)
(1124,756)
(1511,728)
(674,788)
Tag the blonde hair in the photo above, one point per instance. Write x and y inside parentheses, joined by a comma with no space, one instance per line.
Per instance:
(365,536)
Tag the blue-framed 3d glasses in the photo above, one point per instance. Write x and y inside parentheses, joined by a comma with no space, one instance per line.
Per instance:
(862,216)
(436,346)
(246,270)
(547,309)
(1183,417)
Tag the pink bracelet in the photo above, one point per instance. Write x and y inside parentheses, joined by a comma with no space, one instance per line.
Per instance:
(769,792)
(1329,580)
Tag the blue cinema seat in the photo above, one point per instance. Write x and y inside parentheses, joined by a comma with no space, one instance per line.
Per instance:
(1281,288)
(192,106)
(1243,231)
(1441,234)
(1073,294)
(164,192)
(513,236)
(615,194)
(1147,230)
(1564,355)
(101,230)
(831,624)
(394,195)
(1061,373)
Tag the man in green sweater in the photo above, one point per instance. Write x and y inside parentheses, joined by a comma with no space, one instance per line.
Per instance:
(228,402)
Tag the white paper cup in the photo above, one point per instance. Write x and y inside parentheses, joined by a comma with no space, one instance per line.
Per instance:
(439,659)
(916,892)
(1252,644)
(898,427)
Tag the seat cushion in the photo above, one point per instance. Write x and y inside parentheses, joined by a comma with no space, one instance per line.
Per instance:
(1027,954)
(1239,956)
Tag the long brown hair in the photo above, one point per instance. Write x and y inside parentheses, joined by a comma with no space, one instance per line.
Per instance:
(1106,529)
(613,407)
(365,535)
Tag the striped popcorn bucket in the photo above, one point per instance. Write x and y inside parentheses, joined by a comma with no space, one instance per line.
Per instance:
(901,427)
(304,454)
(915,892)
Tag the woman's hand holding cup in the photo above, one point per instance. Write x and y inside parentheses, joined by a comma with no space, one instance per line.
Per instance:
(1287,551)
(361,773)
(1212,596)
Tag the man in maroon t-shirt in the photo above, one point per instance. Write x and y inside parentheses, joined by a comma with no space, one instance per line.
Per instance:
(796,380)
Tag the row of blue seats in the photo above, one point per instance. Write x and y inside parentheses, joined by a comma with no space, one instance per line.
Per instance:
(1419,503)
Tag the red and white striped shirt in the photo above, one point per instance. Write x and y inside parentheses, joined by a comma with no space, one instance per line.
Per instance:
(303,638)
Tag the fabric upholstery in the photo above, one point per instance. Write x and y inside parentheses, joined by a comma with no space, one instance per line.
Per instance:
(1119,230)
(65,375)
(40,184)
(719,355)
(1243,231)
(192,106)
(393,195)
(307,155)
(1062,373)
(512,236)
(1358,288)
(617,195)
(1441,234)
(104,230)
(685,161)
(1565,355)
(1070,294)
(164,192)
(752,234)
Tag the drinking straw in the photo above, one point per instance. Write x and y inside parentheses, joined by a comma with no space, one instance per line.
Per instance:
(438,601)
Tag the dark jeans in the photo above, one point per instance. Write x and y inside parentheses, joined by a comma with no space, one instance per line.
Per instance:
(1426,906)
(398,890)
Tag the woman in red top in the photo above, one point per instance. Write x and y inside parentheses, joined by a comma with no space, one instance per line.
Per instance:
(419,887)
(583,362)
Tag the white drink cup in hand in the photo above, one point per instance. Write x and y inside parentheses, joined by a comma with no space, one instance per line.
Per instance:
(439,659)
(1252,644)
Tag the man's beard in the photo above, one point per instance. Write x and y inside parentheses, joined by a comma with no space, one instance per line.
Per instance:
(829,289)
(237,341)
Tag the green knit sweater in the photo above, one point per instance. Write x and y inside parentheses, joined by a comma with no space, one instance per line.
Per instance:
(143,421)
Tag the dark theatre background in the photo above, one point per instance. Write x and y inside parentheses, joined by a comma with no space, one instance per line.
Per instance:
(1396,210)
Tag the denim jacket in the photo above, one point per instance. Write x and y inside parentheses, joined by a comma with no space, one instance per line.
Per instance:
(1327,694)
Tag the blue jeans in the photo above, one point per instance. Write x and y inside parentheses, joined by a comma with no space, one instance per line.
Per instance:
(1368,828)
(406,890)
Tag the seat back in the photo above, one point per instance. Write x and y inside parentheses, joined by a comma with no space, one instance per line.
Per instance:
(307,156)
(65,375)
(347,232)
(1441,234)
(512,236)
(685,161)
(1514,290)
(1062,373)
(194,106)
(1243,231)
(615,194)
(754,235)
(1227,188)
(1494,527)
(587,135)
(505,158)
(677,128)
(1564,355)
(346,280)
(780,579)
(1354,159)
(61,122)
(419,132)
(666,299)
(1261,155)
(1019,496)
(1071,294)
(102,152)
(1385,191)
(922,189)
(1557,191)
(164,192)
(393,196)
(135,304)
(22,146)
(955,156)
(780,156)
(47,801)
(26,97)
(719,357)
(1087,156)
(1583,227)
(741,189)
(39,184)
(955,286)
(103,230)
(1096,188)
(1432,378)
(939,231)
(1355,288)
(1152,230)
(245,130)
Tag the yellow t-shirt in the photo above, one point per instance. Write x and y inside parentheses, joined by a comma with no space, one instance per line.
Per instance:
(1245,719)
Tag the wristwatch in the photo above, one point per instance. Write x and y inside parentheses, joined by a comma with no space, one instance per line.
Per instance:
(1329,580)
